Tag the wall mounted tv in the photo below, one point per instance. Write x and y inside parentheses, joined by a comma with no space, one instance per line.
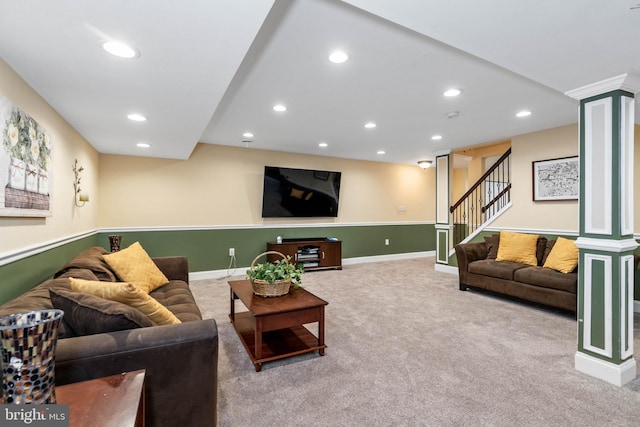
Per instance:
(289,192)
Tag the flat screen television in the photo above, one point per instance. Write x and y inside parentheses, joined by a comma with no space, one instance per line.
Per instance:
(289,192)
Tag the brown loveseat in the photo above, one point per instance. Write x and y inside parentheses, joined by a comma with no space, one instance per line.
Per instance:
(100,338)
(478,268)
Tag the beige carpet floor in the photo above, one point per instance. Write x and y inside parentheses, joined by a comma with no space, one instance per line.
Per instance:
(407,348)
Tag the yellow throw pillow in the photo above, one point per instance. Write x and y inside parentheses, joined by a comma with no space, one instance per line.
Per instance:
(135,266)
(518,247)
(129,294)
(563,256)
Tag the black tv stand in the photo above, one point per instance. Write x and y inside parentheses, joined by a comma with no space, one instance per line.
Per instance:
(315,253)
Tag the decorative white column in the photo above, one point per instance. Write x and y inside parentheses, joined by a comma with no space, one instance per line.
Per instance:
(443,201)
(606,243)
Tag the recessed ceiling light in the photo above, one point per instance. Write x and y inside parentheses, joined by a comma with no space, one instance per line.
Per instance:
(523,113)
(338,57)
(136,117)
(279,108)
(120,49)
(453,92)
(143,145)
(323,145)
(381,152)
(370,125)
(247,135)
(436,137)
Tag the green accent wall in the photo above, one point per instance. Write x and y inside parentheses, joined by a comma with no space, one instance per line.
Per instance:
(22,275)
(208,249)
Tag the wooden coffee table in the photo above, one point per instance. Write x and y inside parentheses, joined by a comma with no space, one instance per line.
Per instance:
(273,328)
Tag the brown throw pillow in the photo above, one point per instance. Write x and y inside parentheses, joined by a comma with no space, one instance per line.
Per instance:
(540,249)
(492,243)
(547,250)
(87,314)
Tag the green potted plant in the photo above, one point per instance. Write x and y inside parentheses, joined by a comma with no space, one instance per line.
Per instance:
(274,279)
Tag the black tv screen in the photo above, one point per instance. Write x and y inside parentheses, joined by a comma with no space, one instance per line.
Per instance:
(289,192)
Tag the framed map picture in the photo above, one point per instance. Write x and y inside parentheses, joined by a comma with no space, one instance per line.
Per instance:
(556,179)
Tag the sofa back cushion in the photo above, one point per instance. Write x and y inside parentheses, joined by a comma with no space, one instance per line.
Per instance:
(541,246)
(492,242)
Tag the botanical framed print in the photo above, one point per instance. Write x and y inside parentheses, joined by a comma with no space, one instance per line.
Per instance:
(25,164)
(556,179)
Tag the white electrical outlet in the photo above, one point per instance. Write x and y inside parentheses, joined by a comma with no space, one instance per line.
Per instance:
(386,242)
(232,251)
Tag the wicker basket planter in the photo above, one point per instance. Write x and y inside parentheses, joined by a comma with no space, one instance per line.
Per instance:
(277,287)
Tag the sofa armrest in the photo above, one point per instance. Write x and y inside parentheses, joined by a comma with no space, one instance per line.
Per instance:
(467,253)
(180,360)
(174,267)
(470,252)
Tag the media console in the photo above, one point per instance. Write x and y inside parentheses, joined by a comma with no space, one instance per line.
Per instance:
(311,253)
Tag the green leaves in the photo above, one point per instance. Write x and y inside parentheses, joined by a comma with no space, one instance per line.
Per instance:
(278,270)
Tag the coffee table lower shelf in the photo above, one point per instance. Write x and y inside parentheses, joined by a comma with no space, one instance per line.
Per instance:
(277,344)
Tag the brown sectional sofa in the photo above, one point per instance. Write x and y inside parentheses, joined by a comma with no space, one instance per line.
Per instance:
(478,268)
(99,338)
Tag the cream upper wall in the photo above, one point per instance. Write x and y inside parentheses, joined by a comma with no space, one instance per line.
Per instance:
(562,216)
(67,220)
(220,185)
(559,216)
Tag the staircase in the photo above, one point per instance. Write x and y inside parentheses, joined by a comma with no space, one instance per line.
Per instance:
(483,200)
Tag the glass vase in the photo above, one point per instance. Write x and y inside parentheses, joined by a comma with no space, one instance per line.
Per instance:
(28,357)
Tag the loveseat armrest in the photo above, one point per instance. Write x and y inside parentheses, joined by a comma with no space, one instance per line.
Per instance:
(174,267)
(181,363)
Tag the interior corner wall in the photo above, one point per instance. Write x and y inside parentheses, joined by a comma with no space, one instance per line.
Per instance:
(68,223)
(67,144)
(525,214)
(222,186)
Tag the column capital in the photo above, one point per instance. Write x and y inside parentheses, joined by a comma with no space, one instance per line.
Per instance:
(627,82)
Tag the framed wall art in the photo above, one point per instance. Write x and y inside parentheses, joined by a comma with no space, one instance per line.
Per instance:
(25,164)
(556,179)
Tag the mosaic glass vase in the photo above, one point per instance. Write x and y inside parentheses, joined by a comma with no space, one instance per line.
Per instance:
(114,241)
(28,357)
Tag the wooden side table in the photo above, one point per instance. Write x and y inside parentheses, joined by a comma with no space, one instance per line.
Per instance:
(117,400)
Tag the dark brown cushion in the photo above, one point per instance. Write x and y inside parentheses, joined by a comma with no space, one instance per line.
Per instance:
(541,247)
(547,251)
(87,314)
(548,278)
(493,268)
(177,297)
(492,243)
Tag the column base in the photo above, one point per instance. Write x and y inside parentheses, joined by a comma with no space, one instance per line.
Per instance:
(615,374)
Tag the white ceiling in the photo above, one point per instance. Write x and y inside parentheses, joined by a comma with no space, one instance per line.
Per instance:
(210,70)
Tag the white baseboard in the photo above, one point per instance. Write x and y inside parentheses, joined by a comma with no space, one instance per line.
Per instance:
(614,374)
(443,268)
(389,257)
(240,271)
